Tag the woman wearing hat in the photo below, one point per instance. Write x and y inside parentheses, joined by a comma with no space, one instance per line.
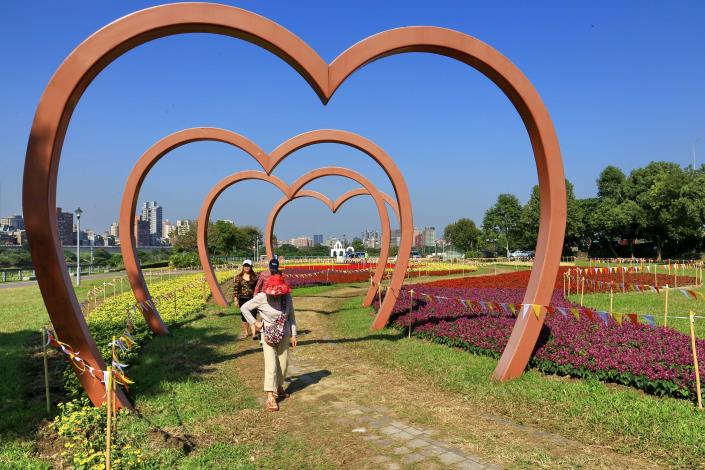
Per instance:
(278,326)
(243,291)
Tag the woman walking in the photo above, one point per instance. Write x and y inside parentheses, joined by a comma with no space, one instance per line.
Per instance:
(278,326)
(243,291)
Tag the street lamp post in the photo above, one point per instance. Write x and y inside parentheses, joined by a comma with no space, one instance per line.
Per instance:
(78,213)
(695,142)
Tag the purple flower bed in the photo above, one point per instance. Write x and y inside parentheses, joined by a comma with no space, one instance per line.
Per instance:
(656,360)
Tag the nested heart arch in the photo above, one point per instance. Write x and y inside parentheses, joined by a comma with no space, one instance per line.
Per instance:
(291,192)
(385,242)
(64,91)
(146,162)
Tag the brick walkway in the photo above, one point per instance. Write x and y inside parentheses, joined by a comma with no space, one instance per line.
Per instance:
(409,445)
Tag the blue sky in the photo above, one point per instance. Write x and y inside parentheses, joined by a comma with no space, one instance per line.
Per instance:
(623,82)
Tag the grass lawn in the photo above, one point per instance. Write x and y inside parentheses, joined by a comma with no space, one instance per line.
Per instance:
(21,371)
(179,392)
(625,420)
(652,303)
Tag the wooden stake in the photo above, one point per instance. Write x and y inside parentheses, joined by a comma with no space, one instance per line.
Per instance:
(46,369)
(379,295)
(411,307)
(109,426)
(174,304)
(665,309)
(611,298)
(582,291)
(569,282)
(695,362)
(564,296)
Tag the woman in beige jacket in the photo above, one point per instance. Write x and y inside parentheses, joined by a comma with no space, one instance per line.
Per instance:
(278,325)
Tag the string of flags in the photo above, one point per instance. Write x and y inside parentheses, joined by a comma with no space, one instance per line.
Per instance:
(82,366)
(522,310)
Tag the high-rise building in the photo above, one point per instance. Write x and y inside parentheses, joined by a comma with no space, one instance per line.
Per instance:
(395,237)
(183,226)
(142,235)
(115,229)
(318,240)
(168,229)
(301,242)
(152,213)
(14,221)
(429,236)
(65,223)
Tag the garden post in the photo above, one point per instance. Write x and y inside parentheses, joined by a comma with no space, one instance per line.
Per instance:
(695,361)
(665,309)
(675,274)
(568,281)
(104,283)
(108,401)
(611,297)
(582,291)
(411,307)
(564,296)
(175,304)
(46,369)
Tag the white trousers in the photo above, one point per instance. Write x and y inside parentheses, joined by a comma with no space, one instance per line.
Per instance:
(276,361)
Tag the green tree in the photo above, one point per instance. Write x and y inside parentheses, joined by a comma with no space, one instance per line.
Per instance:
(531,214)
(611,184)
(671,205)
(463,234)
(358,245)
(186,241)
(503,221)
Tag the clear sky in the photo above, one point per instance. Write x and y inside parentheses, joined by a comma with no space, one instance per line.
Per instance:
(624,83)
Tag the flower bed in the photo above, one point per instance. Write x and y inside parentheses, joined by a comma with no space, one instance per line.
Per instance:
(656,360)
(519,279)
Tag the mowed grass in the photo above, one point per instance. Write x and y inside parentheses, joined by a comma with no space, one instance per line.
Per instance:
(625,420)
(22,408)
(652,303)
(194,409)
(191,404)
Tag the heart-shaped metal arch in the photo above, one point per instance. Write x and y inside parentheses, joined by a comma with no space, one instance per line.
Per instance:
(289,193)
(385,242)
(157,151)
(64,91)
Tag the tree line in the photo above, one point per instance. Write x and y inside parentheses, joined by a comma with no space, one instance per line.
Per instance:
(655,211)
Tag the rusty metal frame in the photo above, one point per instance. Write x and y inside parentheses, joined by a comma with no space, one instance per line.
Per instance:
(74,75)
(385,243)
(268,162)
(291,193)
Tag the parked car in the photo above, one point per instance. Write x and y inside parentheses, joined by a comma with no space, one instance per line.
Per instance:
(521,255)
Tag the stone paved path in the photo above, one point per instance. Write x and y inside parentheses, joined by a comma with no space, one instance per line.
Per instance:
(409,444)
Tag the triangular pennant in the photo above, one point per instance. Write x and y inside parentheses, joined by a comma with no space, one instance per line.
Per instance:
(617,317)
(537,310)
(650,320)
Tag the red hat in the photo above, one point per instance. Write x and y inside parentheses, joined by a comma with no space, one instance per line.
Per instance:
(276,285)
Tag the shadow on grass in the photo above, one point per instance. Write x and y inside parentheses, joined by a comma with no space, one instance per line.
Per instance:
(372,337)
(22,397)
(187,354)
(298,383)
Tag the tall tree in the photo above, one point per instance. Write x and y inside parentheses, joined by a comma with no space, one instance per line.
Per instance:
(504,219)
(531,214)
(462,234)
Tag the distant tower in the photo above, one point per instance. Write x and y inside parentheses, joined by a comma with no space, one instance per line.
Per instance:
(152,213)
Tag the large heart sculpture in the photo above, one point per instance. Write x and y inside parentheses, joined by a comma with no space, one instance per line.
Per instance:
(268,163)
(385,242)
(291,193)
(75,74)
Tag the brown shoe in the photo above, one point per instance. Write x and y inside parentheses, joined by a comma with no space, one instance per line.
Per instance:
(271,405)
